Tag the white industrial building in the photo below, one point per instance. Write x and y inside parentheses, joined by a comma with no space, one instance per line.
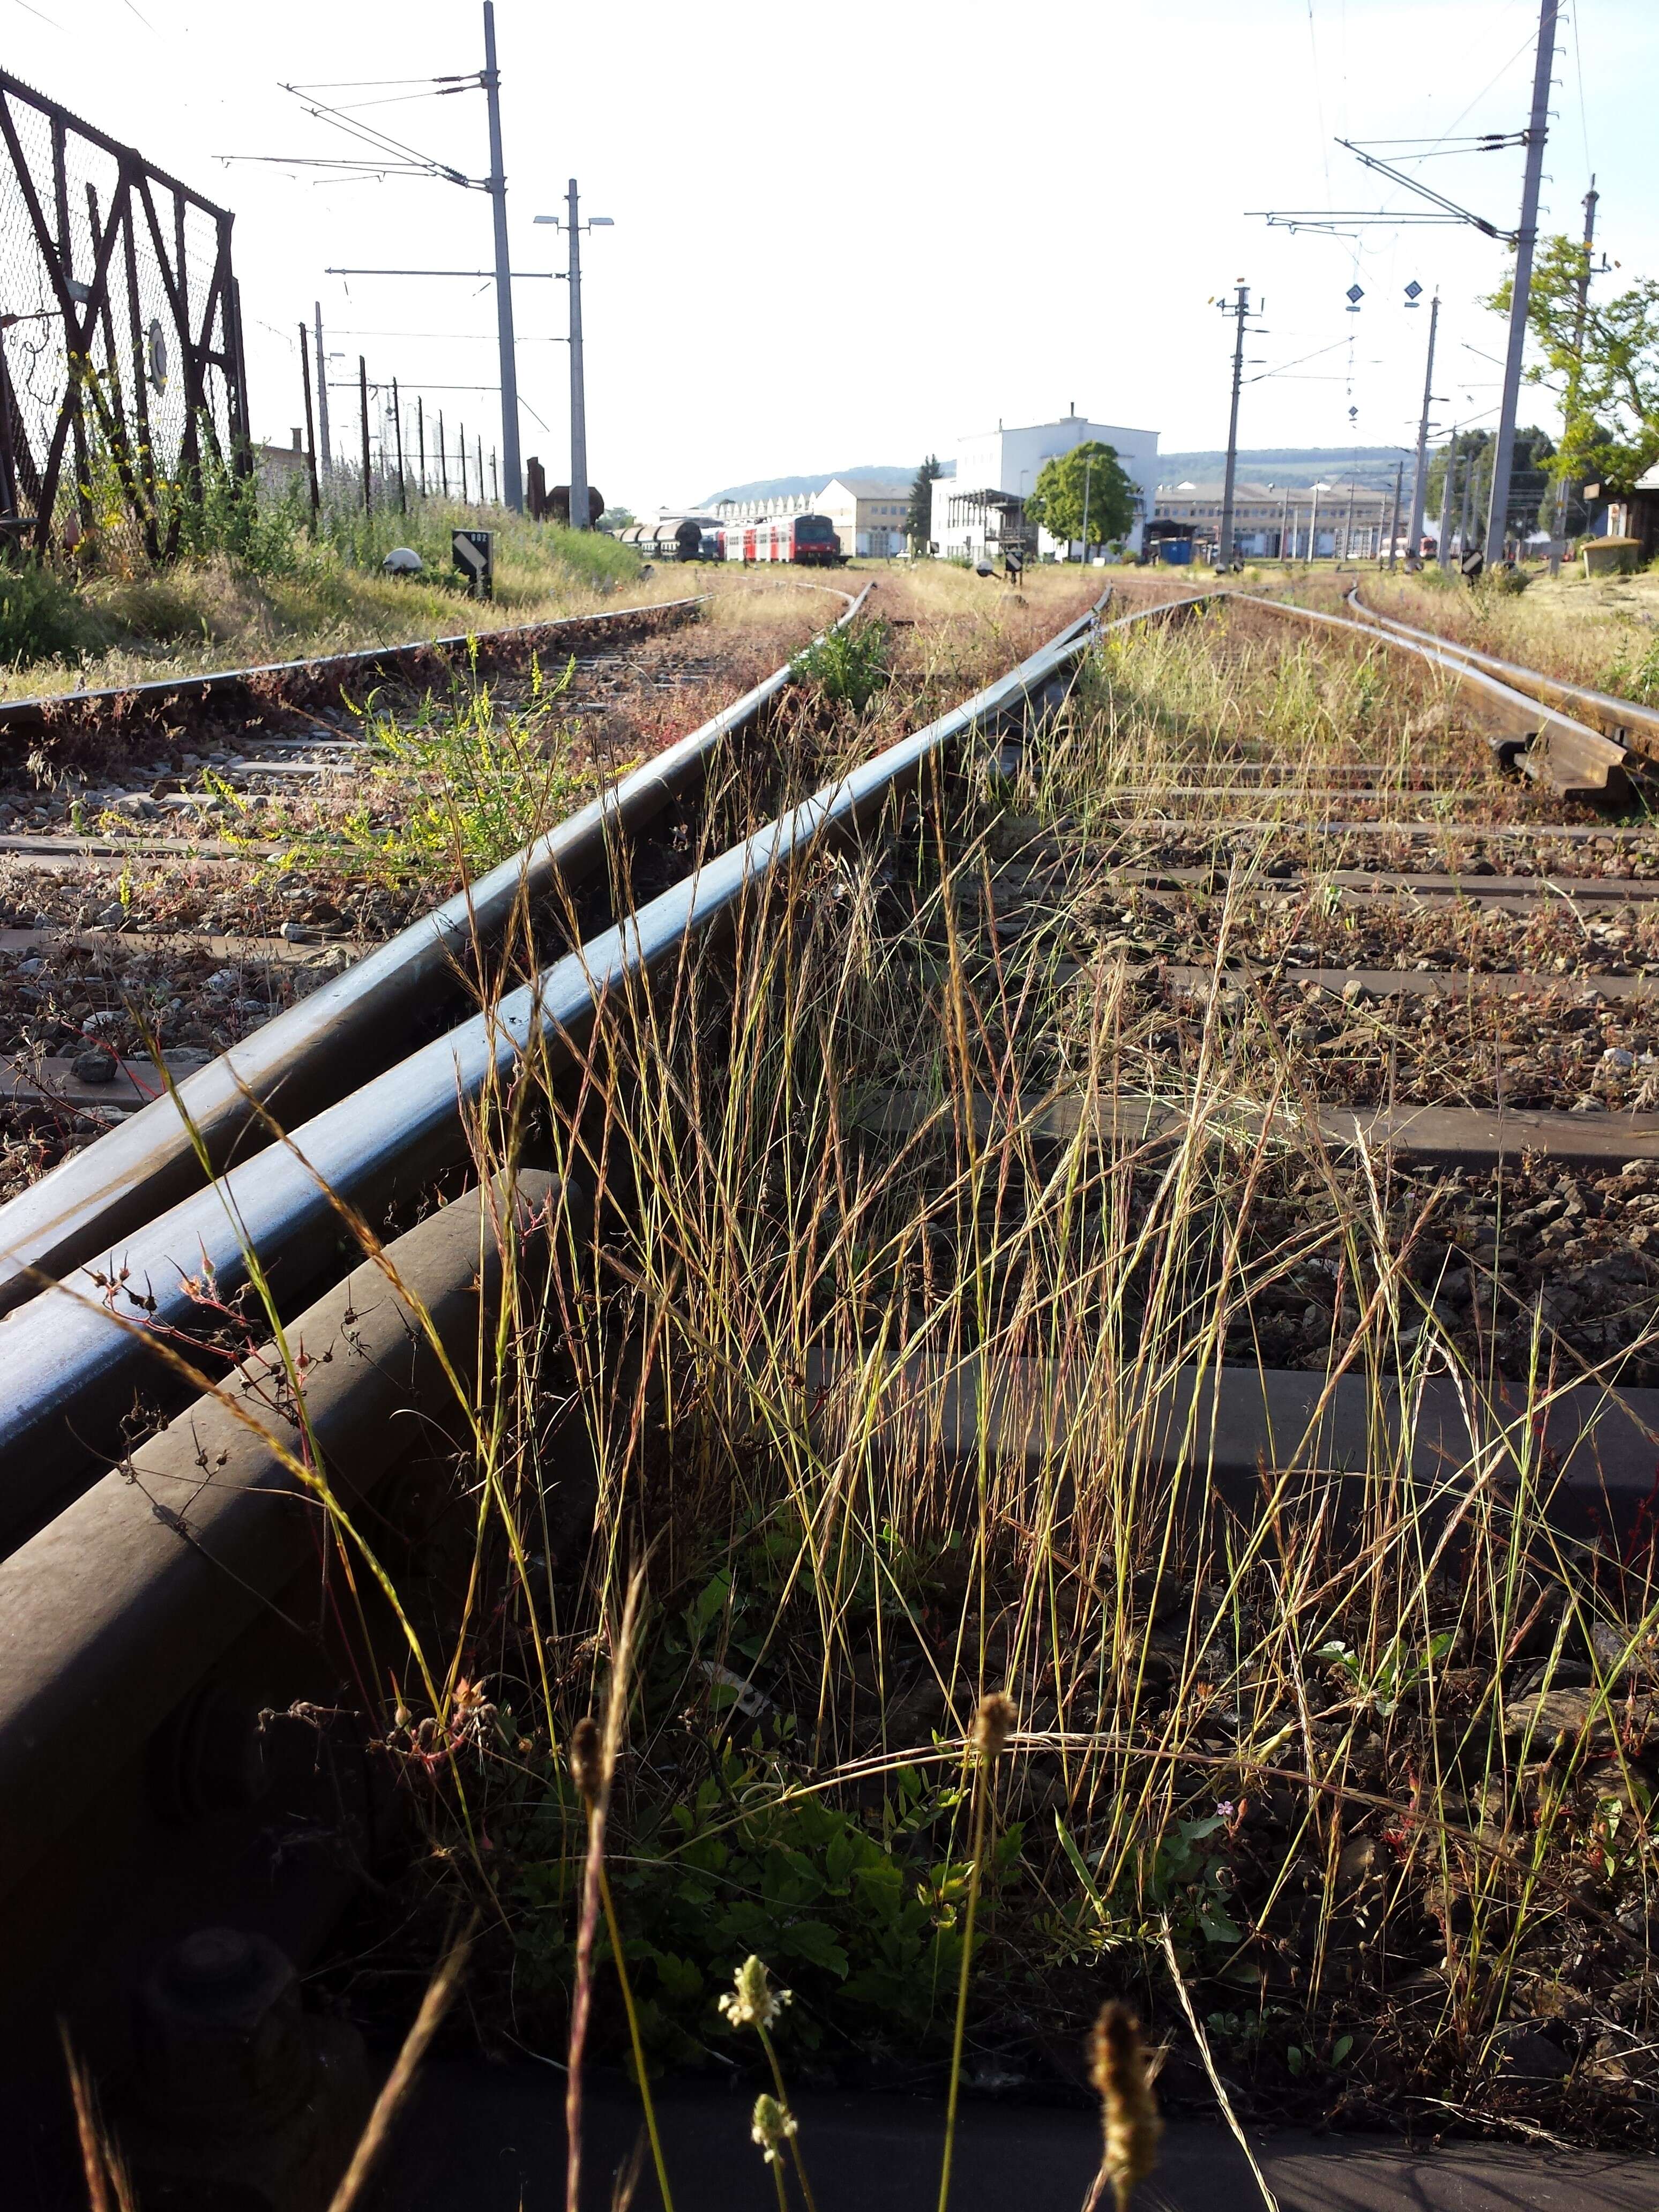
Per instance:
(996,472)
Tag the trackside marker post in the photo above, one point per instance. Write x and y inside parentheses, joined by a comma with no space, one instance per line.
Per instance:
(474,554)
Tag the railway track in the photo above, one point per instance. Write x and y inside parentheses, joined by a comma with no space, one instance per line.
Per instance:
(1409,1114)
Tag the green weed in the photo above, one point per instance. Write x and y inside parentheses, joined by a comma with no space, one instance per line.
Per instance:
(848,667)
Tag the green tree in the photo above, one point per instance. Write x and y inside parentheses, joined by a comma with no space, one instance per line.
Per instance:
(1057,497)
(918,520)
(1530,480)
(1604,371)
(618,518)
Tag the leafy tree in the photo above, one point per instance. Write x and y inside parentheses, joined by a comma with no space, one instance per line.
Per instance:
(1056,500)
(919,521)
(616,518)
(1606,374)
(1529,481)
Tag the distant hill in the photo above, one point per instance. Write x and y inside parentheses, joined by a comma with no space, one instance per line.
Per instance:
(786,486)
(1294,466)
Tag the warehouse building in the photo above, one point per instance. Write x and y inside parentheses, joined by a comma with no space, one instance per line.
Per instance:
(1271,522)
(868,512)
(980,506)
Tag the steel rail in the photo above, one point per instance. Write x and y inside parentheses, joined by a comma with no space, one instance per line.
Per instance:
(112,1613)
(265,682)
(1611,714)
(313,1052)
(75,1368)
(1576,761)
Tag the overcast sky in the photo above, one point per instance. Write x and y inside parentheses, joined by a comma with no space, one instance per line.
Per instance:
(849,235)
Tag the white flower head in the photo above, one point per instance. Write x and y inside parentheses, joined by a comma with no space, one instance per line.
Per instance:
(774,2125)
(753,2002)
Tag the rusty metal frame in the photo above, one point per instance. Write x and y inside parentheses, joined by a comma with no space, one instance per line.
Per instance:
(94,398)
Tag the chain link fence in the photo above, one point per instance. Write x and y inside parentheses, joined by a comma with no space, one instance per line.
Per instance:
(122,391)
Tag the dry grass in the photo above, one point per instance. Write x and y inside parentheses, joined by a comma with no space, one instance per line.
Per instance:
(879,1407)
(1602,632)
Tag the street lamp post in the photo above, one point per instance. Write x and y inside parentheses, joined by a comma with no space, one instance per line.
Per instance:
(570,222)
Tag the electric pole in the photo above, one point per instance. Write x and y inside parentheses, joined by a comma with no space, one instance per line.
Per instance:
(324,456)
(579,514)
(1571,410)
(1526,238)
(311,426)
(497,189)
(1443,549)
(1420,480)
(1088,471)
(1394,519)
(1239,310)
(362,408)
(397,431)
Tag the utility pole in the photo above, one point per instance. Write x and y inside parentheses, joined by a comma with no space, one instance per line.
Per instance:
(1442,551)
(1088,471)
(443,457)
(420,437)
(462,441)
(323,454)
(1347,527)
(311,426)
(1394,519)
(1420,480)
(1239,310)
(363,401)
(1313,526)
(1498,511)
(1287,544)
(497,188)
(1570,409)
(579,515)
(397,431)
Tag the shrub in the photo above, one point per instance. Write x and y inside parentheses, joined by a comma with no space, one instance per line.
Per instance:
(41,617)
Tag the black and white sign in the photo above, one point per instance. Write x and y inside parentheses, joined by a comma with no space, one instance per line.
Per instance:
(475,560)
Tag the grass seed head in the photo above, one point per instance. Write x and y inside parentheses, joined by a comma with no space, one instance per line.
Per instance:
(587,1759)
(1129,2111)
(993,1723)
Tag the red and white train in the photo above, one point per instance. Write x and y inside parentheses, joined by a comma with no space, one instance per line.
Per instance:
(808,540)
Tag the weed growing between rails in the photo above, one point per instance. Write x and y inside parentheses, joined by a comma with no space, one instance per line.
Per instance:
(1304,1729)
(872,1398)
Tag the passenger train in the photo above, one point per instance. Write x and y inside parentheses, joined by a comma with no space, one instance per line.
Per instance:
(808,540)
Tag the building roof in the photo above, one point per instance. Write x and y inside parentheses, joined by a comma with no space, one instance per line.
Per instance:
(1337,494)
(1057,422)
(863,483)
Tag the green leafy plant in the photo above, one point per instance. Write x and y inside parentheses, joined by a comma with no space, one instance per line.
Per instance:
(848,667)
(42,617)
(1395,1674)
